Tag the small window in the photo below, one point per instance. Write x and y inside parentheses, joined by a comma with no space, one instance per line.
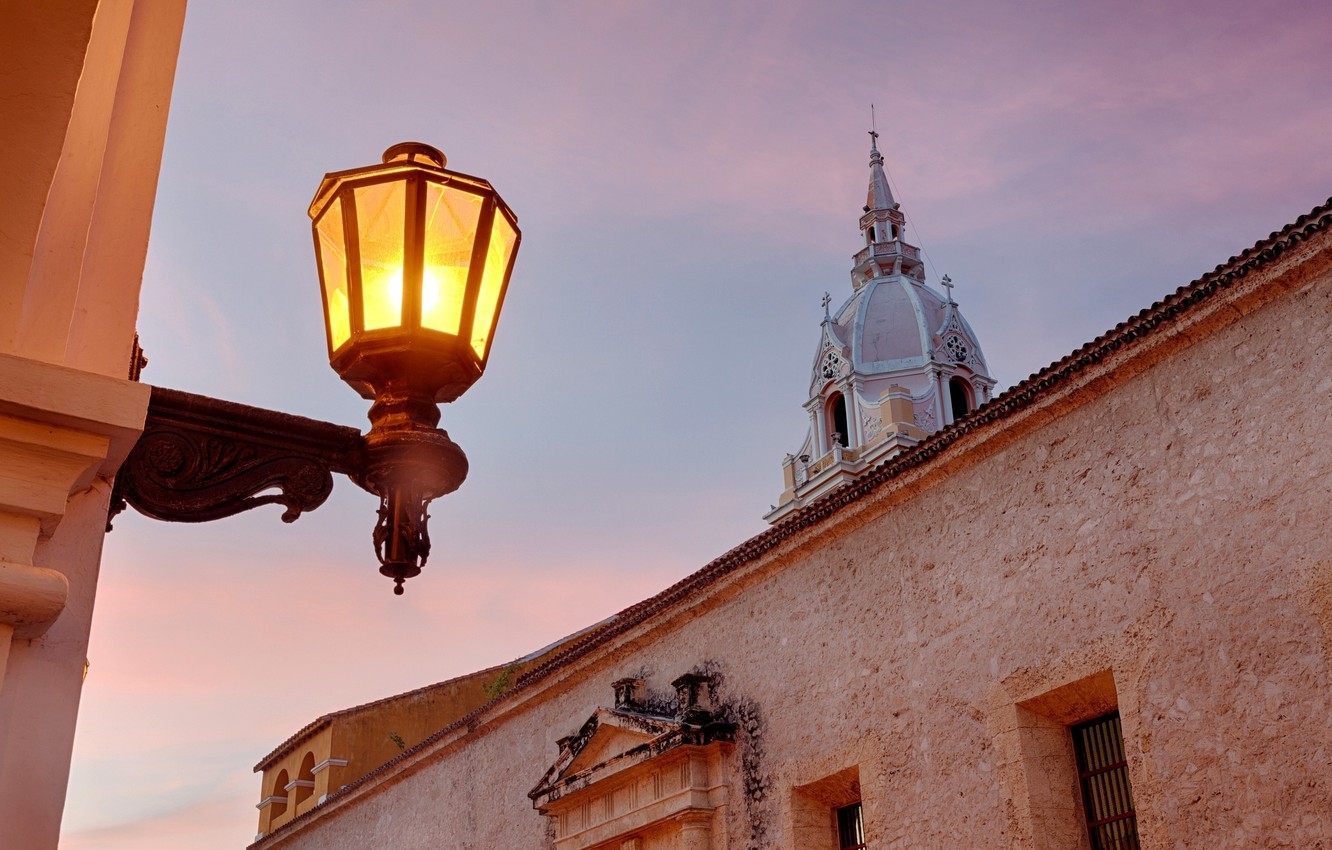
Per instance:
(850,828)
(1106,795)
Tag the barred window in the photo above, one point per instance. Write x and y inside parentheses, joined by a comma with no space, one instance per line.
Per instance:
(850,828)
(1103,772)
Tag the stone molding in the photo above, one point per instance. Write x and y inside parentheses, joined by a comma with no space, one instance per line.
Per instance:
(326,764)
(60,431)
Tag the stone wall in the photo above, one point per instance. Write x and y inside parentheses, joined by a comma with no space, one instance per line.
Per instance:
(1151,536)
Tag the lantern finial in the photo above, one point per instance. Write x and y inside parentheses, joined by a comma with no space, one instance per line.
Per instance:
(417,153)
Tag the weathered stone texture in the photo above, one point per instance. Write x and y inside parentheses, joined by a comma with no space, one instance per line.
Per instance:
(1167,525)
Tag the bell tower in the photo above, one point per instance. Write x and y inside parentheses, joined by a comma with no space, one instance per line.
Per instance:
(894,363)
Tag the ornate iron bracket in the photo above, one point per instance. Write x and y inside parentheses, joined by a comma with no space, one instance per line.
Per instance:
(202,459)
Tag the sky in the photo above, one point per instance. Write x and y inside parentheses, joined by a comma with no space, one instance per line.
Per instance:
(688,178)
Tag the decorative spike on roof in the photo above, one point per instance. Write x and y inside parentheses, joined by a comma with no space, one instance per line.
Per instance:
(880,197)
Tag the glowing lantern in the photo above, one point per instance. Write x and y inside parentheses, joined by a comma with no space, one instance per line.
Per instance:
(414,261)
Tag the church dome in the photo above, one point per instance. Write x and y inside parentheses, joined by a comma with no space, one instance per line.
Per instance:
(898,323)
(890,323)
(894,363)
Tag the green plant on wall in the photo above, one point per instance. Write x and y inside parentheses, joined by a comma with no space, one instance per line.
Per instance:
(500,683)
(397,739)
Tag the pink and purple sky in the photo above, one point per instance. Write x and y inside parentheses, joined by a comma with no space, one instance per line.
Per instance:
(688,177)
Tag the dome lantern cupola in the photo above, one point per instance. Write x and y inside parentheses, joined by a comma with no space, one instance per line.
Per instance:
(894,363)
(883,229)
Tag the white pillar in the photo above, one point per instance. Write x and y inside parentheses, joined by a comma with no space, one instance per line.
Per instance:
(83,112)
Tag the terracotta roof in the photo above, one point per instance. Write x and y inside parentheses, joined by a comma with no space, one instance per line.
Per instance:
(1149,321)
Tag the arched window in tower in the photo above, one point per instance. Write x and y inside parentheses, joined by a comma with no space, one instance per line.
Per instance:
(279,793)
(306,779)
(960,394)
(837,421)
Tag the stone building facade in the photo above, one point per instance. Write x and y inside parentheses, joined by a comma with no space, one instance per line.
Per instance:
(1134,536)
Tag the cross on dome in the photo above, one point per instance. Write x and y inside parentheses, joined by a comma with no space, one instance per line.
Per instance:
(874,139)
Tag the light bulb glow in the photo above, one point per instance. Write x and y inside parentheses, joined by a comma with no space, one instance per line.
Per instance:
(381,295)
(380,209)
(442,290)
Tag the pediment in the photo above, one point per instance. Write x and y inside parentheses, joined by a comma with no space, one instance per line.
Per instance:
(608,736)
(608,742)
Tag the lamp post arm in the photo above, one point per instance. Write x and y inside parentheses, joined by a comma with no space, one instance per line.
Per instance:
(203,458)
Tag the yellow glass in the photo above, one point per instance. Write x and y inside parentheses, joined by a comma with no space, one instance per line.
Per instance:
(502,238)
(333,260)
(379,213)
(451,218)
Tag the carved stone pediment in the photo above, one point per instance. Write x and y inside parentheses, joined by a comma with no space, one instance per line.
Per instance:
(633,774)
(612,735)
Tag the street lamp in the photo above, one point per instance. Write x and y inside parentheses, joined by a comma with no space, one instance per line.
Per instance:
(414,262)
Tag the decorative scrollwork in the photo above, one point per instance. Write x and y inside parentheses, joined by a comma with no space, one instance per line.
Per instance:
(924,419)
(201,459)
(402,538)
(871,424)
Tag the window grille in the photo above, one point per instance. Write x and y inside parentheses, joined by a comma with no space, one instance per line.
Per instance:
(1103,772)
(850,828)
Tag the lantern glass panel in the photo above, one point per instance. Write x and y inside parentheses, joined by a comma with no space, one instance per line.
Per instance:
(333,262)
(379,216)
(502,239)
(450,229)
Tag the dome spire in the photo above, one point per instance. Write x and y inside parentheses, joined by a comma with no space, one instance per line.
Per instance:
(883,227)
(880,196)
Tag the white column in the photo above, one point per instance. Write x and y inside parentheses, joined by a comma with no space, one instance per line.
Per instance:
(86,87)
(940,399)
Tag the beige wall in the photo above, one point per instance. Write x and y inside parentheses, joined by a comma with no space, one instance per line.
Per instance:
(85,89)
(1152,536)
